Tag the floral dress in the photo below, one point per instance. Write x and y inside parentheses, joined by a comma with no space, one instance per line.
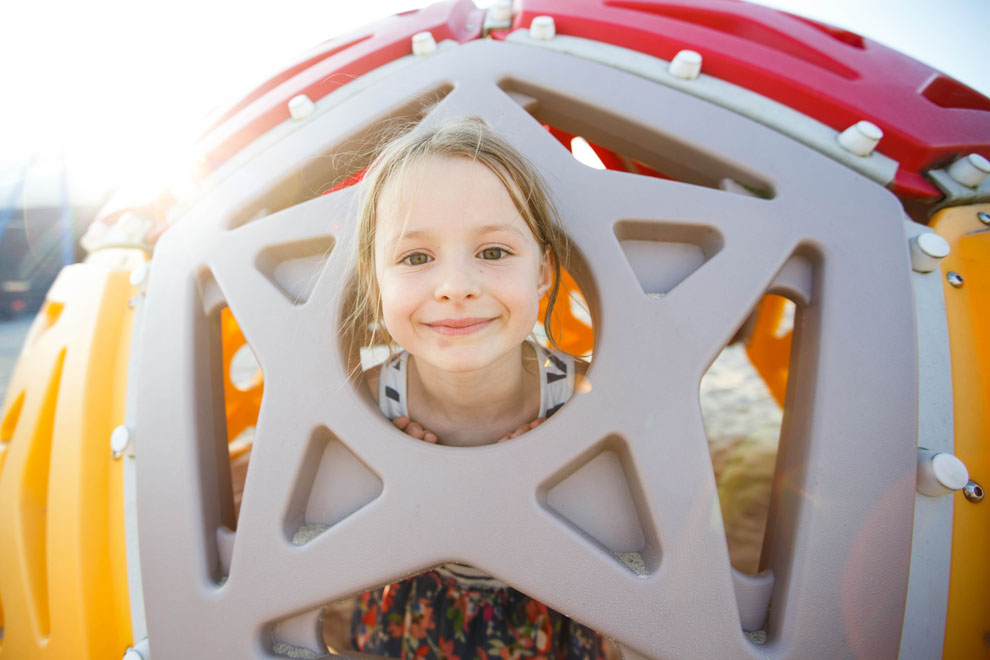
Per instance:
(456,612)
(432,616)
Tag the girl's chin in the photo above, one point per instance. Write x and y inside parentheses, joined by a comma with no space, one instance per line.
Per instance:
(462,359)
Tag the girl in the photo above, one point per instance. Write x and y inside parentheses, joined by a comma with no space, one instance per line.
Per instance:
(457,244)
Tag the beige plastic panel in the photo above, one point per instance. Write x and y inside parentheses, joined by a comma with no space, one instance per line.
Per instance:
(839,536)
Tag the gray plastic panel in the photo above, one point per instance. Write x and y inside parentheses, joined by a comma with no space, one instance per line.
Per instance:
(839,537)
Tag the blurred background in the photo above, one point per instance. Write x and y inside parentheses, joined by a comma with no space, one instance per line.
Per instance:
(102,94)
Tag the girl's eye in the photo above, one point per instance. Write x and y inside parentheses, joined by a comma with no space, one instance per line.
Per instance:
(493,253)
(416,259)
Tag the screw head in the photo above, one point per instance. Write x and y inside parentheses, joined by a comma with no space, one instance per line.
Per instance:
(973,491)
(984,217)
(955,279)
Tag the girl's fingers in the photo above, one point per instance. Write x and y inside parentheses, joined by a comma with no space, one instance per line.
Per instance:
(536,422)
(415,429)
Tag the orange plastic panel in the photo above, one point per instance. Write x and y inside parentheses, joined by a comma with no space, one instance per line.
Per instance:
(63,572)
(242,405)
(573,334)
(967,628)
(768,350)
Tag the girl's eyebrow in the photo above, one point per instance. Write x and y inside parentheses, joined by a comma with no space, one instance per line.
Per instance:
(425,233)
(399,238)
(485,229)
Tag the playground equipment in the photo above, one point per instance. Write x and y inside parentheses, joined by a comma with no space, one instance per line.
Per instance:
(727,191)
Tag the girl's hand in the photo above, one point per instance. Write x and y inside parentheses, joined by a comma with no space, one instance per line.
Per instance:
(522,429)
(415,429)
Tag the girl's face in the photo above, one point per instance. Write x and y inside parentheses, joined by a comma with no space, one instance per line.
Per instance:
(460,273)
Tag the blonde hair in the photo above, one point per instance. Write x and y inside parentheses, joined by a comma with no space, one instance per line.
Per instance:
(468,137)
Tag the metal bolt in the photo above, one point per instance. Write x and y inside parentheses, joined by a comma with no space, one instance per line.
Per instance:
(955,279)
(973,491)
(119,439)
(984,217)
(132,302)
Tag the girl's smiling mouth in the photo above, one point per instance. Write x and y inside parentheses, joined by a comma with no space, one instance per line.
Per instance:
(462,326)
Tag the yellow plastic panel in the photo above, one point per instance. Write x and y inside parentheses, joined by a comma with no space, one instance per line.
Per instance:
(967,628)
(63,573)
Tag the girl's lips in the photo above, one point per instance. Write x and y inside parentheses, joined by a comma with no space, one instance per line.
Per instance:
(448,327)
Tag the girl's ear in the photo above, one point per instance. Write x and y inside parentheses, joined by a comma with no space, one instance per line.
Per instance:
(546,273)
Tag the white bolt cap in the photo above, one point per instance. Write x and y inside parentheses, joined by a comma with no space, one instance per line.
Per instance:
(119,439)
(543,28)
(133,654)
(501,11)
(940,473)
(927,250)
(861,138)
(301,107)
(971,170)
(686,65)
(131,224)
(139,276)
(423,43)
(96,230)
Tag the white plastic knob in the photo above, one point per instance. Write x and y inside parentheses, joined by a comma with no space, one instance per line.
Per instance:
(301,107)
(542,28)
(96,230)
(927,250)
(971,170)
(940,473)
(861,138)
(686,65)
(501,11)
(139,276)
(423,43)
(119,439)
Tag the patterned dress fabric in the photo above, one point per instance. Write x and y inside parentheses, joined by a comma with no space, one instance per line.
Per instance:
(454,611)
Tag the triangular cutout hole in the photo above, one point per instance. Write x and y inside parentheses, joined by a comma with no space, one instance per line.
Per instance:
(334,484)
(662,255)
(598,498)
(294,267)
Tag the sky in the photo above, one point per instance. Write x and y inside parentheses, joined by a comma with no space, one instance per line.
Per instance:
(121,87)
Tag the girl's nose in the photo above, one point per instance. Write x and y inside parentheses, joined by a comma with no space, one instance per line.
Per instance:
(457,281)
